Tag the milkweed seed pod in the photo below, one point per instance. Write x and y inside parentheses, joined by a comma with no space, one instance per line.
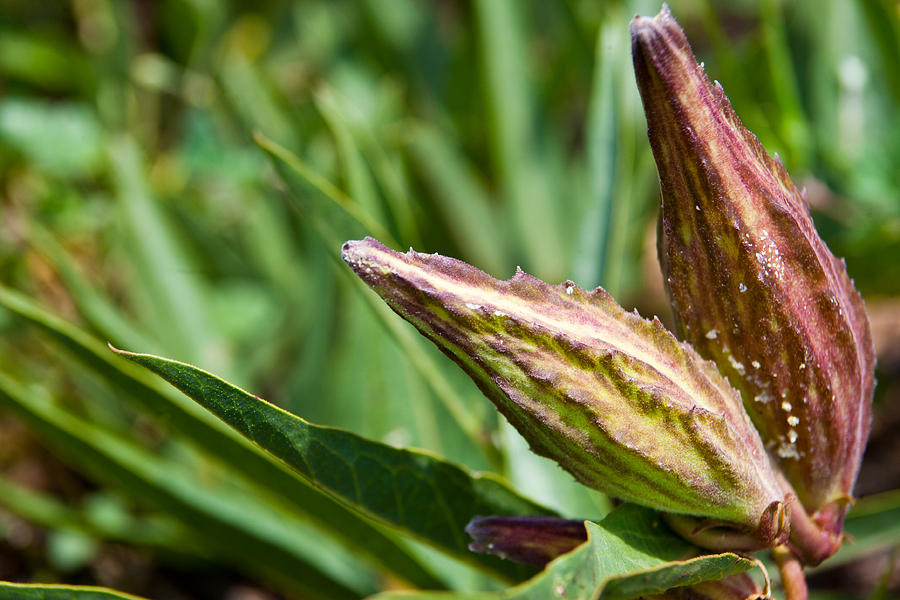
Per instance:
(752,285)
(613,398)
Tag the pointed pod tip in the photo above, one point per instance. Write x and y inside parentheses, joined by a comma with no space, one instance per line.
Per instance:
(641,23)
(354,245)
(658,46)
(641,29)
(355,252)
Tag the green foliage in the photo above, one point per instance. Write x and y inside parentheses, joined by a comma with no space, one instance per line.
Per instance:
(60,592)
(418,493)
(138,210)
(628,555)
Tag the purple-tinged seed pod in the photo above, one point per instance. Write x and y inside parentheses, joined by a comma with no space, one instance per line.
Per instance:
(752,284)
(613,398)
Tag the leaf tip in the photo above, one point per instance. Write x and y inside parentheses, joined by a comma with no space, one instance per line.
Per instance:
(117,350)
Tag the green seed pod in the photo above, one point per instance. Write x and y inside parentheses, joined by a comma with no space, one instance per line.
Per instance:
(752,285)
(614,398)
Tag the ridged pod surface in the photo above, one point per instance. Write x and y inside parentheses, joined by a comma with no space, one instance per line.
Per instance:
(614,398)
(753,286)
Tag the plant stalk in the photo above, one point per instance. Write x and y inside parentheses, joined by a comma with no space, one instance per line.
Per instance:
(791,570)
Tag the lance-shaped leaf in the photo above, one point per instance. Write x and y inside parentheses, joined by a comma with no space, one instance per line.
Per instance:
(752,285)
(413,491)
(26,591)
(612,397)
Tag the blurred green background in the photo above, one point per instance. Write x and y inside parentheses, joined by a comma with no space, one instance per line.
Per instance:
(177,177)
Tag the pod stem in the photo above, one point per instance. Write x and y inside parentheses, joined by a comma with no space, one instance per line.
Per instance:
(791,570)
(817,537)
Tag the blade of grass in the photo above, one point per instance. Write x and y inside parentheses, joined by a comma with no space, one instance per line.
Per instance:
(325,187)
(47,511)
(602,144)
(37,507)
(503,55)
(615,124)
(166,276)
(883,22)
(388,169)
(98,310)
(252,97)
(461,198)
(360,185)
(341,114)
(724,54)
(45,62)
(792,123)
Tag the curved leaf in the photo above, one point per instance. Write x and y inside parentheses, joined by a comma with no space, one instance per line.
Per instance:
(228,522)
(27,591)
(183,416)
(631,553)
(419,493)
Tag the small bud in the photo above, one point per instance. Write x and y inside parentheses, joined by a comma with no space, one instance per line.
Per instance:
(615,399)
(752,285)
(532,540)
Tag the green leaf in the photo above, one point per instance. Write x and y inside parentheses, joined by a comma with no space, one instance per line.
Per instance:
(64,139)
(791,122)
(20,591)
(631,553)
(44,61)
(884,30)
(460,197)
(96,308)
(290,164)
(416,492)
(227,520)
(291,168)
(94,518)
(207,432)
(166,278)
(502,35)
(359,180)
(356,141)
